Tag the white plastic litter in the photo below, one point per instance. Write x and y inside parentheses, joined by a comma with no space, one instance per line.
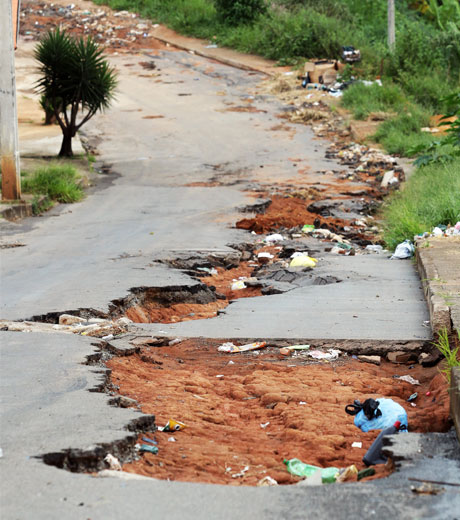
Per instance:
(238,285)
(272,239)
(319,354)
(409,379)
(357,445)
(374,248)
(404,250)
(267,481)
(265,255)
(241,473)
(113,462)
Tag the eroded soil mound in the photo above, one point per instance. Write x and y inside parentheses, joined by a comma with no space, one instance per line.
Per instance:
(288,212)
(226,401)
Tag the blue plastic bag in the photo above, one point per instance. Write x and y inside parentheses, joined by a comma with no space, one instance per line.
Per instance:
(391,412)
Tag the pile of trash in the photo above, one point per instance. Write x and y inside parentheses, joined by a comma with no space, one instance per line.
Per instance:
(441,231)
(406,249)
(115,31)
(382,414)
(71,324)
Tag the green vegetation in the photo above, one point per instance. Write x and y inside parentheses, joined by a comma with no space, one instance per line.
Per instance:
(418,77)
(58,182)
(74,76)
(236,12)
(429,198)
(362,99)
(450,354)
(422,70)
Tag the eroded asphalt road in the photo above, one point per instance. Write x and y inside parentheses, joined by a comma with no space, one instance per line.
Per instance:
(158,139)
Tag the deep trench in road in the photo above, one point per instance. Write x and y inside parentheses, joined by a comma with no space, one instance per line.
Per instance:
(247,412)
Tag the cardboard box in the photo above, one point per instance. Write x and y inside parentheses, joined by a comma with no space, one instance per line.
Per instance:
(324,72)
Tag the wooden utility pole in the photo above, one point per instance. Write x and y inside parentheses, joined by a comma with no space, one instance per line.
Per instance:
(391,25)
(9,151)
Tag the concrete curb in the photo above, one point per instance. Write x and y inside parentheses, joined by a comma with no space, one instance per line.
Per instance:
(454,392)
(23,209)
(223,55)
(17,211)
(439,311)
(437,262)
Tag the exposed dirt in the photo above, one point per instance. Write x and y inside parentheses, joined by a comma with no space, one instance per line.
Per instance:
(115,31)
(287,213)
(155,313)
(165,312)
(303,403)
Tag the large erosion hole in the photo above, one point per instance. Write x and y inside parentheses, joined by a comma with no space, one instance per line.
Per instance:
(256,409)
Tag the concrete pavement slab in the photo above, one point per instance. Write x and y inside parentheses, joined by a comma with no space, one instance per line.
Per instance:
(49,407)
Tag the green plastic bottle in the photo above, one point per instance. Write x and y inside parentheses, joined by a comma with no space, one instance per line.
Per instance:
(300,469)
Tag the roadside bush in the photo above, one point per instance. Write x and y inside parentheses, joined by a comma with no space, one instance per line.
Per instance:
(285,35)
(430,197)
(363,99)
(236,12)
(57,181)
(403,133)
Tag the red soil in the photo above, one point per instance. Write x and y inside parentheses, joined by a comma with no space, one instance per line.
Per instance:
(287,212)
(224,414)
(152,312)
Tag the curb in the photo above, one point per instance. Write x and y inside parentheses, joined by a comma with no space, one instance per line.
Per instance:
(454,392)
(439,310)
(438,263)
(197,46)
(17,211)
(23,209)
(224,61)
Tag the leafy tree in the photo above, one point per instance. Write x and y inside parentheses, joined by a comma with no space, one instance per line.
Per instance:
(75,77)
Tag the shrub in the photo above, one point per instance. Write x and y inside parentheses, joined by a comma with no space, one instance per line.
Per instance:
(59,182)
(236,12)
(430,197)
(74,77)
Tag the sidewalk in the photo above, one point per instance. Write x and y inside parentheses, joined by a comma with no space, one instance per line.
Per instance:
(438,262)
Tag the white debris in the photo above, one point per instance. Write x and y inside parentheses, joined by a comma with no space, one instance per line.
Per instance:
(113,462)
(267,481)
(330,355)
(241,473)
(174,342)
(124,475)
(409,379)
(357,445)
(404,250)
(272,239)
(264,425)
(238,285)
(69,319)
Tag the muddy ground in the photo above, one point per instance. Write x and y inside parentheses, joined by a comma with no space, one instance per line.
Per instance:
(256,409)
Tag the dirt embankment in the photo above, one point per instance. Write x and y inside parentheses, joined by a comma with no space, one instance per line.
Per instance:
(257,409)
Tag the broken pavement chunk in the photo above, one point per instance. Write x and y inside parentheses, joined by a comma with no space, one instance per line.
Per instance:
(375,360)
(70,319)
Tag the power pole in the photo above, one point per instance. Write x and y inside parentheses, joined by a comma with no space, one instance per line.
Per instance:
(9,150)
(391,25)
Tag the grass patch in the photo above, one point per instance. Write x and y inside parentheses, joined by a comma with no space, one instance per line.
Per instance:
(363,99)
(401,134)
(451,355)
(59,182)
(430,197)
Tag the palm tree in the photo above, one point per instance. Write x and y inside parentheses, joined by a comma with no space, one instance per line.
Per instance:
(75,77)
